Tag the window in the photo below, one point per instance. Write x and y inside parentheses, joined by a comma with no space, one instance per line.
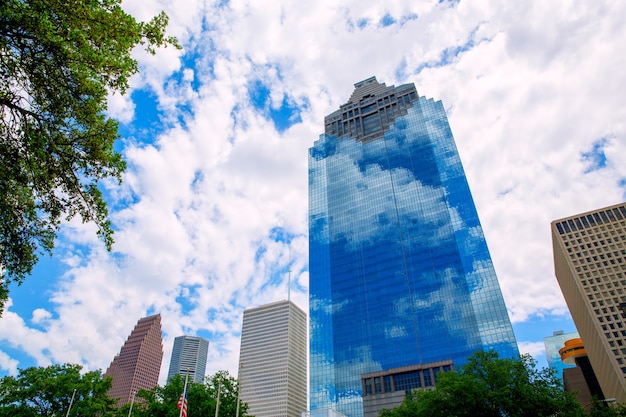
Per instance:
(371,124)
(387,383)
(427,379)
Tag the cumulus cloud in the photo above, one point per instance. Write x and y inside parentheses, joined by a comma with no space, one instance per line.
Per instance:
(40,316)
(534,349)
(212,214)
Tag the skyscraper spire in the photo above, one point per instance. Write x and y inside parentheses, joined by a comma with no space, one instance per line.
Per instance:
(289,278)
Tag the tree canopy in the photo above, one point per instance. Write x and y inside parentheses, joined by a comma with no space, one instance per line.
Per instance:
(201,398)
(58,62)
(48,392)
(490,386)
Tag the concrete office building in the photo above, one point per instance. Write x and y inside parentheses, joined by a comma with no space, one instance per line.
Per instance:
(273,360)
(189,356)
(138,364)
(590,266)
(581,379)
(400,273)
(387,389)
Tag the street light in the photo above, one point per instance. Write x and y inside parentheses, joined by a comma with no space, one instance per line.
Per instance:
(604,403)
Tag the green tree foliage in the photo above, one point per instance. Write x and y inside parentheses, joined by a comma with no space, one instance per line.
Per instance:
(48,392)
(201,398)
(58,61)
(607,409)
(490,386)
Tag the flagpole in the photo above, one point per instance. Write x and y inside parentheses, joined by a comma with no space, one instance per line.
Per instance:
(219,389)
(132,400)
(239,377)
(71,402)
(184,394)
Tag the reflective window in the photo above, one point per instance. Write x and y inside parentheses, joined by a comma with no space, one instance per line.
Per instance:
(400,272)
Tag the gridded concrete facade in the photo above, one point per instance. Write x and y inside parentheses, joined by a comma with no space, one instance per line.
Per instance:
(189,356)
(590,266)
(387,389)
(138,364)
(273,360)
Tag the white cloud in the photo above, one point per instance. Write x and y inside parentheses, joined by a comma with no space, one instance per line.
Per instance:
(534,87)
(8,364)
(40,315)
(534,349)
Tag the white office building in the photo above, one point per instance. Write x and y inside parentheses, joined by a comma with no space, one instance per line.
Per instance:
(273,360)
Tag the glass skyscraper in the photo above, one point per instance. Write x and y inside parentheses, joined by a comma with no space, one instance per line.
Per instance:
(400,273)
(189,356)
(553,344)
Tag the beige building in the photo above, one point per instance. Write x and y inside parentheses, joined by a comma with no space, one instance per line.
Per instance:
(590,266)
(273,360)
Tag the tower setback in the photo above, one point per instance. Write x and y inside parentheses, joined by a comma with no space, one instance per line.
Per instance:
(138,364)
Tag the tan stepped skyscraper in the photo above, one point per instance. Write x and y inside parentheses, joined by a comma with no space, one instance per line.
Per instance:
(590,266)
(138,364)
(273,360)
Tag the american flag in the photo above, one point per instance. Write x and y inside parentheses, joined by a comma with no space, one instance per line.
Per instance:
(182,403)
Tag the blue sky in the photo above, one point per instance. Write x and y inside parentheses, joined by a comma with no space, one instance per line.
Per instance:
(212,213)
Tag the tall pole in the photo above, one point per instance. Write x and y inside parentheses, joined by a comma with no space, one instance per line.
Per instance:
(71,402)
(289,281)
(132,400)
(182,406)
(239,387)
(219,389)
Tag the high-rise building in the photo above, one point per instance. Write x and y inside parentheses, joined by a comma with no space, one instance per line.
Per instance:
(273,360)
(400,272)
(581,379)
(189,357)
(387,389)
(138,364)
(590,266)
(553,345)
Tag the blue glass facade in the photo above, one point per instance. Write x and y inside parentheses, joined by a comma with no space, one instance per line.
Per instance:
(400,273)
(553,344)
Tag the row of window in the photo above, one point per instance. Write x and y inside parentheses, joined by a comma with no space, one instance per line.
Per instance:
(596,240)
(370,118)
(590,220)
(404,381)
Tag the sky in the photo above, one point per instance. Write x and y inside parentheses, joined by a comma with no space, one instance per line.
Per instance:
(211,217)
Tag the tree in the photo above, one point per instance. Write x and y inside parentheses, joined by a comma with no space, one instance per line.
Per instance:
(201,398)
(48,392)
(58,61)
(490,386)
(607,409)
